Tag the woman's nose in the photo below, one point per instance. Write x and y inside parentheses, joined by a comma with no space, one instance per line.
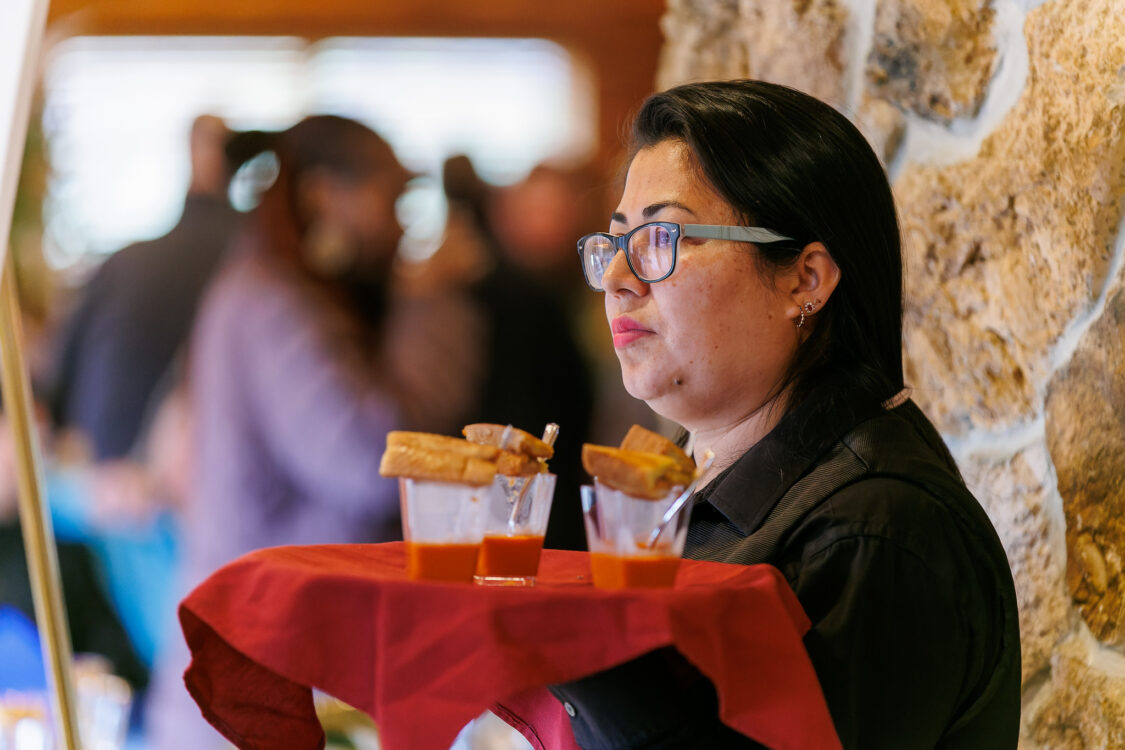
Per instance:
(619,278)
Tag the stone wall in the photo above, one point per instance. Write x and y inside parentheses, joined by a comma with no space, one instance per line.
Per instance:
(1003,128)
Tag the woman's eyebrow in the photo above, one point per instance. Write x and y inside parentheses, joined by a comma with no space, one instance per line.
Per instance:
(651,210)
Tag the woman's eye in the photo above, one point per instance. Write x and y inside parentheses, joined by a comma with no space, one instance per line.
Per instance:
(660,237)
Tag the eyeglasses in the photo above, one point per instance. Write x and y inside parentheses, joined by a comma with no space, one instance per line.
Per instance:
(650,249)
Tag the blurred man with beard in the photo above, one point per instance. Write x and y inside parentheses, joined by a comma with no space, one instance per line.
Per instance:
(302,360)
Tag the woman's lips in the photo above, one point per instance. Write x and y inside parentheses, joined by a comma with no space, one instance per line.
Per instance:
(626,331)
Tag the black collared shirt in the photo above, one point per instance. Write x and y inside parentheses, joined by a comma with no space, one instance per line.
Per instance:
(914,633)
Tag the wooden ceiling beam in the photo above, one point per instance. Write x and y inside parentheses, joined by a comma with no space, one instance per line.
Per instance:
(618,40)
(572,19)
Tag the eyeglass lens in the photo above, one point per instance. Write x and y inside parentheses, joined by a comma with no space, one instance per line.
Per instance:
(597,254)
(651,249)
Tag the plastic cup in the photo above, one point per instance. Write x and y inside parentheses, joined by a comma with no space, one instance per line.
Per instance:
(443,524)
(618,530)
(516,520)
(104,702)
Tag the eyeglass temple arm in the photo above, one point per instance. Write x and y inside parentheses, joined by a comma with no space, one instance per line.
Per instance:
(734,234)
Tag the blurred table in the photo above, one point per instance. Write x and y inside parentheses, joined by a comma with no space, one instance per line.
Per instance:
(425,658)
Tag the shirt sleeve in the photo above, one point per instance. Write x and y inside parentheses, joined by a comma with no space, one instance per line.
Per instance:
(67,353)
(889,639)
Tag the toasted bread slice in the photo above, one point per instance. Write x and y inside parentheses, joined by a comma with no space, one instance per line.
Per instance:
(518,440)
(645,475)
(647,441)
(517,464)
(437,465)
(441,443)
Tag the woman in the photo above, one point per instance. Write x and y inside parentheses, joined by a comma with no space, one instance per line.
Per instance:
(778,347)
(297,368)
(303,359)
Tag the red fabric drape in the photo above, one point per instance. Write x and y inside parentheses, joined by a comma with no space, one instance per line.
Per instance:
(425,658)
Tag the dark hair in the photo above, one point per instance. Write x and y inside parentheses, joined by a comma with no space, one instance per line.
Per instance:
(243,145)
(791,163)
(347,150)
(339,146)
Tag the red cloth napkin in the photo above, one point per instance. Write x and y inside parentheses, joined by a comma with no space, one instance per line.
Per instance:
(425,658)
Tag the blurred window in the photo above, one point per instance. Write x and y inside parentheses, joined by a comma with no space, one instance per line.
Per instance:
(117,112)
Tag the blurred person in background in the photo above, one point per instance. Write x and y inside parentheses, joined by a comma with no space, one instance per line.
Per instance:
(535,220)
(535,223)
(126,512)
(114,388)
(93,622)
(304,356)
(535,371)
(135,313)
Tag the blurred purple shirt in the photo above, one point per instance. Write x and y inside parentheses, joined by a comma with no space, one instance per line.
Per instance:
(290,422)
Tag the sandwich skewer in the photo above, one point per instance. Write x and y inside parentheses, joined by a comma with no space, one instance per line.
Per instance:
(550,434)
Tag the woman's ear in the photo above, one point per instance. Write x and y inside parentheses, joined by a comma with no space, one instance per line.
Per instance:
(811,281)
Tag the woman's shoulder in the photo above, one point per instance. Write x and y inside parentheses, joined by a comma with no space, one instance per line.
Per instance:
(901,440)
(892,511)
(908,498)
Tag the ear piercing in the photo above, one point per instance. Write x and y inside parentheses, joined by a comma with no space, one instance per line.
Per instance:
(807,309)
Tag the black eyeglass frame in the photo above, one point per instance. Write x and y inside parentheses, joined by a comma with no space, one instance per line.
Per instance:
(756,235)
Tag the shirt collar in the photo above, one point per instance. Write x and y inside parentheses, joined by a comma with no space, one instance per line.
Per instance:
(747,490)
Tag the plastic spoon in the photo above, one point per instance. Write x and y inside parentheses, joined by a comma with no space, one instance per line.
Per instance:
(674,508)
(550,434)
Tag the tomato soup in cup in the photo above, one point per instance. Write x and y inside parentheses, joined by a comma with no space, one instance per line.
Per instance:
(619,535)
(443,525)
(516,521)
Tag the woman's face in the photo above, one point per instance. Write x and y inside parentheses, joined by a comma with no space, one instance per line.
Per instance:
(359,230)
(709,345)
(367,206)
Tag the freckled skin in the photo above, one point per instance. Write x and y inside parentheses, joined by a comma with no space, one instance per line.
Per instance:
(716,324)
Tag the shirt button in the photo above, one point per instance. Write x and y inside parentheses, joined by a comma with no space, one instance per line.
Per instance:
(570,709)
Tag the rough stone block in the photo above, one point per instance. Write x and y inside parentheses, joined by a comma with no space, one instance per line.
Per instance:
(883,125)
(1017,495)
(701,43)
(799,43)
(934,57)
(1083,708)
(1086,435)
(1005,250)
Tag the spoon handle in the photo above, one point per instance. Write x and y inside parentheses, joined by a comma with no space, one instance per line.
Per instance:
(550,434)
(681,501)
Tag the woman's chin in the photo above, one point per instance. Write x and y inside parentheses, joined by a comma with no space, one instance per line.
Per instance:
(640,384)
(662,397)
